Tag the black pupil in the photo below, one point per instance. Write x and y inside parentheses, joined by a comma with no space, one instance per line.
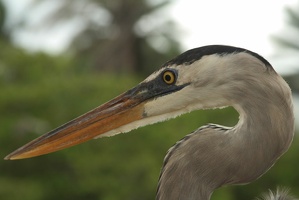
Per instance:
(168,77)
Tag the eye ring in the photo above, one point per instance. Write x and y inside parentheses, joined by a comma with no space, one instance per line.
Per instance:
(169,77)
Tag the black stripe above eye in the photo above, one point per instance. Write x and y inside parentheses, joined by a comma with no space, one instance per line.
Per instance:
(193,55)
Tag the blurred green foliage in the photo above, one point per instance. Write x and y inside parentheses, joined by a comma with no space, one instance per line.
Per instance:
(40,92)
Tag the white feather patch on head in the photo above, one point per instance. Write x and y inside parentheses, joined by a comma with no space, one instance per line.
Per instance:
(209,83)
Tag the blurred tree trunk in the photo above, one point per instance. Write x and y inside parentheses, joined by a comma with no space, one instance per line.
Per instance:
(115,35)
(3,33)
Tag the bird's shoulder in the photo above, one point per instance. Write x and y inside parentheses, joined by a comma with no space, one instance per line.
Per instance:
(202,131)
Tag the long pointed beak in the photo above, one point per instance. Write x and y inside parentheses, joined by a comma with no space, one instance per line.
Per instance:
(120,111)
(121,114)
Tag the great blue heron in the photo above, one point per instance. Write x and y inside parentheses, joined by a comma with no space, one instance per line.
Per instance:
(212,156)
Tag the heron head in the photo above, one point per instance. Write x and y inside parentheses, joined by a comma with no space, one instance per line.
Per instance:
(199,78)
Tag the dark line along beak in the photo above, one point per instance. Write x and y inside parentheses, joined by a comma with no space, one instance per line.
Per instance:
(122,110)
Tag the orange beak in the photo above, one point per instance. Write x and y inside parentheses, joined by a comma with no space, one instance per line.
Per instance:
(111,115)
(108,119)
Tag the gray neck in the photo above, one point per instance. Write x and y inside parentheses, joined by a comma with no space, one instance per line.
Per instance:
(213,156)
(265,129)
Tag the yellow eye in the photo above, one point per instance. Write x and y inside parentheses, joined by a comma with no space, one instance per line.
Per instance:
(169,77)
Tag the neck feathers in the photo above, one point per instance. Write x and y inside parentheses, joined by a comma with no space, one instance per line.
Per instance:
(210,158)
